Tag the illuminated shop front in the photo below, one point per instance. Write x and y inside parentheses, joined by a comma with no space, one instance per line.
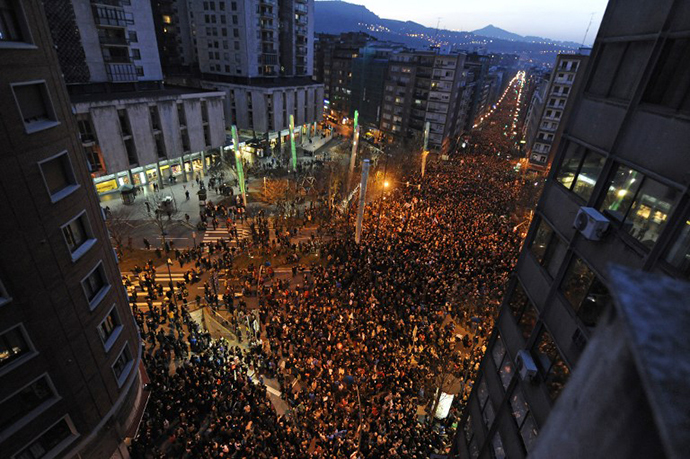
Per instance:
(149,174)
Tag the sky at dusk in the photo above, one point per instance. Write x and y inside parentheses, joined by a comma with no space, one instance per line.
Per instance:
(556,19)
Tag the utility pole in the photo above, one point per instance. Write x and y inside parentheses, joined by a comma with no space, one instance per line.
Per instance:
(362,200)
(425,150)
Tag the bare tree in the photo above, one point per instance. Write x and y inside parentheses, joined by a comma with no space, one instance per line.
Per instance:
(275,190)
(120,227)
(159,210)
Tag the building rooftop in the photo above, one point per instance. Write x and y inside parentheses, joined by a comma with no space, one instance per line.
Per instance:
(168,91)
(265,82)
(655,312)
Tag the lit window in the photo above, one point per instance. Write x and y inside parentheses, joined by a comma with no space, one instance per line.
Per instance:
(640,204)
(167,19)
(524,311)
(58,176)
(13,346)
(580,170)
(35,106)
(51,442)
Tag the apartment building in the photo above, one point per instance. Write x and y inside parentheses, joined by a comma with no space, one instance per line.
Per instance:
(617,193)
(71,378)
(423,87)
(563,83)
(134,129)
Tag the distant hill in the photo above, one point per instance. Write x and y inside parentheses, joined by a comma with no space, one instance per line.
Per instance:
(335,17)
(496,32)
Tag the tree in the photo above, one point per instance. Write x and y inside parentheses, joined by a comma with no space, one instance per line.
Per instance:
(275,190)
(119,226)
(160,211)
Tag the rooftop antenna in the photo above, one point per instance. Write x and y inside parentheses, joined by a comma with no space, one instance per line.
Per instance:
(591,18)
(438,23)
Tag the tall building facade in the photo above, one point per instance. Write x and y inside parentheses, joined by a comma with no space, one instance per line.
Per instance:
(369,70)
(101,43)
(71,379)
(262,56)
(563,83)
(335,55)
(423,87)
(617,194)
(134,129)
(175,43)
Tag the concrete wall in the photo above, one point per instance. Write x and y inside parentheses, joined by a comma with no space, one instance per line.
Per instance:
(107,127)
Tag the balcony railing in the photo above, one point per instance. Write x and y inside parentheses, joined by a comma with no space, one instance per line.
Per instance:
(118,73)
(300,30)
(113,41)
(301,9)
(107,16)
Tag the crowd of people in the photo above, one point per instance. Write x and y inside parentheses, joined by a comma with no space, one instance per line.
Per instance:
(358,344)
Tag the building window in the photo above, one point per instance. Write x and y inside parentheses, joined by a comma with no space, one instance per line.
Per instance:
(131,152)
(4,296)
(523,418)
(618,68)
(506,370)
(669,85)
(553,369)
(140,70)
(77,234)
(586,293)
(640,204)
(86,132)
(38,394)
(110,328)
(498,351)
(58,176)
(35,106)
(497,444)
(95,285)
(678,255)
(136,54)
(580,170)
(12,25)
(181,116)
(122,365)
(51,442)
(133,38)
(524,311)
(93,159)
(13,346)
(548,248)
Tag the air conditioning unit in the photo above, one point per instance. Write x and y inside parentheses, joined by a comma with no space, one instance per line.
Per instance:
(591,223)
(526,366)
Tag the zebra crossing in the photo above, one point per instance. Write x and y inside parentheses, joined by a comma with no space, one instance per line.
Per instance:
(215,235)
(162,277)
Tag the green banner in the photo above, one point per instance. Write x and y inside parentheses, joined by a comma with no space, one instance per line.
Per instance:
(356,119)
(293,148)
(238,158)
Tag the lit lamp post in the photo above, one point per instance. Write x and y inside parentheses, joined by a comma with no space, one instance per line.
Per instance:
(238,163)
(425,150)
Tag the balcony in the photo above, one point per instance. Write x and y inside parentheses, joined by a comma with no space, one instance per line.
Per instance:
(113,41)
(269,59)
(268,2)
(119,73)
(116,3)
(301,30)
(301,9)
(111,17)
(117,59)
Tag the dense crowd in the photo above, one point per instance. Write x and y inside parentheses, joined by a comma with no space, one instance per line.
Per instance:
(359,345)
